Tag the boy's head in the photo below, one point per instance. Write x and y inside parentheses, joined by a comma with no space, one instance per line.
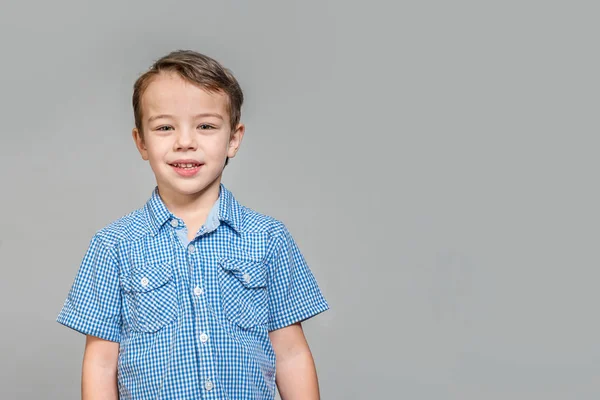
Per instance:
(187,111)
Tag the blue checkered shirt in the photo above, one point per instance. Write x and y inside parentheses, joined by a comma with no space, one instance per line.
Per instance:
(192,318)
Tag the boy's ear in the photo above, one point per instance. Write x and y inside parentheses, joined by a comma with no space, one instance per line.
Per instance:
(235,140)
(139,143)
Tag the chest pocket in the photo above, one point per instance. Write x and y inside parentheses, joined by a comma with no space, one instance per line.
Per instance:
(151,297)
(243,287)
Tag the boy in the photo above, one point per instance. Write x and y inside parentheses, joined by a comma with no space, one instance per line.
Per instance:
(193,296)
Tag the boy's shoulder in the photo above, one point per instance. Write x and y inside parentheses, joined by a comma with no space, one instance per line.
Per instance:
(254,221)
(251,221)
(129,227)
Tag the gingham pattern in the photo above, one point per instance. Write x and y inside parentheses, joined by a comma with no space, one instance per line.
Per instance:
(192,319)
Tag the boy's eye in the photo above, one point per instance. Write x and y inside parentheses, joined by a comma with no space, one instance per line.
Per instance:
(205,126)
(164,128)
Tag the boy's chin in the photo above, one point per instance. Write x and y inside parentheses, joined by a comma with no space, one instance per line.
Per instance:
(191,188)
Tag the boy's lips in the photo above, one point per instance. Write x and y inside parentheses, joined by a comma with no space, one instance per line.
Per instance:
(187,167)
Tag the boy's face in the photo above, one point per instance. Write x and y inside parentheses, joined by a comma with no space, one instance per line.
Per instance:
(186,135)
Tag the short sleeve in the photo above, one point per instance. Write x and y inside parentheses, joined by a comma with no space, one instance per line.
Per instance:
(93,305)
(294,294)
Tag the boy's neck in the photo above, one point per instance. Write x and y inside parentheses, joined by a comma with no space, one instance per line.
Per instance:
(193,207)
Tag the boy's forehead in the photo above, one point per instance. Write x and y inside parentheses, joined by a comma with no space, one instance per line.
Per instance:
(171,94)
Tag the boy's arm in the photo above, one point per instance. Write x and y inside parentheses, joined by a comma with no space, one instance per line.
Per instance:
(99,371)
(296,375)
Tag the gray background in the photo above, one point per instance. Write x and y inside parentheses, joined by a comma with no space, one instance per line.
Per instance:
(435,161)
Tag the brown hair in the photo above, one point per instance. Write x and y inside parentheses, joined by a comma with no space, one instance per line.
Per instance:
(198,69)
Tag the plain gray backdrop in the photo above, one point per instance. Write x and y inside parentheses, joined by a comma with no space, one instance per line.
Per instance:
(436,161)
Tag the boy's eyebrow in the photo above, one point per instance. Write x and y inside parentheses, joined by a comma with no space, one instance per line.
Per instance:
(209,115)
(155,117)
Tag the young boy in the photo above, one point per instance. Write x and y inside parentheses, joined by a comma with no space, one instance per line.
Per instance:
(193,296)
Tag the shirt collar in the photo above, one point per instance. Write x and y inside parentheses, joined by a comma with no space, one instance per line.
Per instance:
(228,210)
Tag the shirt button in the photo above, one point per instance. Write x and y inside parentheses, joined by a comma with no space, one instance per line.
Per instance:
(198,291)
(174,223)
(208,385)
(191,248)
(246,278)
(145,282)
(204,338)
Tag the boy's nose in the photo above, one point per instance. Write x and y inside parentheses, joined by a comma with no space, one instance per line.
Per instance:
(185,140)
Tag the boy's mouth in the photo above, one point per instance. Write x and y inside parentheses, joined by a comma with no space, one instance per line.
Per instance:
(186,168)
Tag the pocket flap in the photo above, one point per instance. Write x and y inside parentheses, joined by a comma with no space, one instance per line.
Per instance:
(252,274)
(150,277)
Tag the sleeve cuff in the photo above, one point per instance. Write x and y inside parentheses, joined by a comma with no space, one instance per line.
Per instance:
(87,325)
(294,316)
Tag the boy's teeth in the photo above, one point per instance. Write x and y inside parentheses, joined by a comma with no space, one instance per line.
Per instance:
(184,165)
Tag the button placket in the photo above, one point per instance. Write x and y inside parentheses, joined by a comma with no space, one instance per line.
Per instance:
(201,309)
